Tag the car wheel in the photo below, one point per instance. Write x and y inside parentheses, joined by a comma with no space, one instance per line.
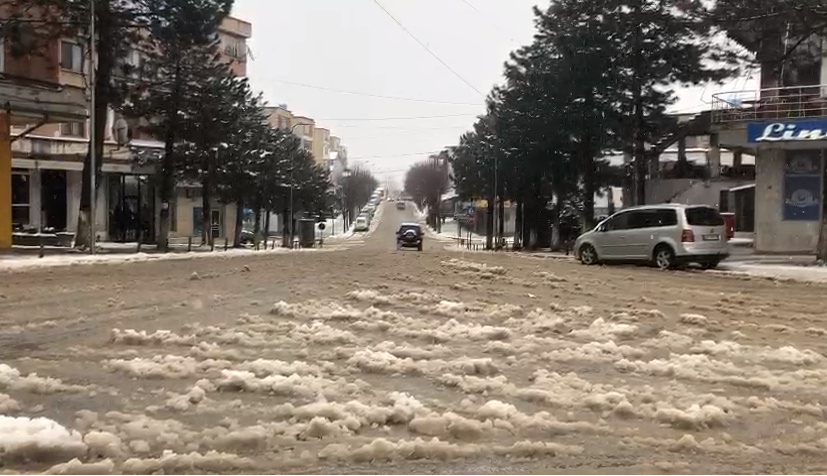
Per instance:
(664,257)
(588,255)
(711,264)
(419,248)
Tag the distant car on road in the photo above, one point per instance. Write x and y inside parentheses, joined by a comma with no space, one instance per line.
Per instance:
(400,205)
(667,235)
(361,224)
(409,235)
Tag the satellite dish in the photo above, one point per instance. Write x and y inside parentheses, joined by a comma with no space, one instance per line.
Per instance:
(321,226)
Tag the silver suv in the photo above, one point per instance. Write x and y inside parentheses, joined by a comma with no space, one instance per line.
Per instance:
(667,236)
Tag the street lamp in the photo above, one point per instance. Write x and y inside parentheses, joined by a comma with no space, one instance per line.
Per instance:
(292,166)
(345,211)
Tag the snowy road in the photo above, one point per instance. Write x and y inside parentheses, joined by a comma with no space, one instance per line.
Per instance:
(363,359)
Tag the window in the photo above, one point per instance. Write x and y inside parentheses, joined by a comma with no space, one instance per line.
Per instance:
(618,222)
(20,198)
(236,50)
(664,218)
(703,216)
(71,56)
(284,123)
(2,56)
(652,219)
(73,129)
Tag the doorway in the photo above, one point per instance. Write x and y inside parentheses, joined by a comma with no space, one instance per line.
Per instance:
(131,208)
(198,222)
(53,200)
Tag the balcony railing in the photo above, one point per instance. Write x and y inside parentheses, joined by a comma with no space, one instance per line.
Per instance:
(32,100)
(767,104)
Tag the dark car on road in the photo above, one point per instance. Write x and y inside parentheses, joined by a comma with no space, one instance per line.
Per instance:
(400,205)
(409,235)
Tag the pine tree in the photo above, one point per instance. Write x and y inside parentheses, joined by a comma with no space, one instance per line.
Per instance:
(212,117)
(184,58)
(650,46)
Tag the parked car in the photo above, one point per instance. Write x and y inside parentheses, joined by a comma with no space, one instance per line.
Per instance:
(400,205)
(247,237)
(361,224)
(667,236)
(409,235)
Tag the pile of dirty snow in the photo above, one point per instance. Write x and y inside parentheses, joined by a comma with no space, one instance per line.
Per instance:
(38,439)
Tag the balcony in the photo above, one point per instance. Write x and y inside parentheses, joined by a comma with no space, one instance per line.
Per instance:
(795,102)
(31,101)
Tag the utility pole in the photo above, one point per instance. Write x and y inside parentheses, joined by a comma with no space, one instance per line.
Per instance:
(92,152)
(496,209)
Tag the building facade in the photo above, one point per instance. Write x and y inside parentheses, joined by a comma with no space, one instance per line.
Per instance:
(305,129)
(33,98)
(784,125)
(48,160)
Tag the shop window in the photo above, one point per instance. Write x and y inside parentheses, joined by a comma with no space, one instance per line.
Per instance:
(802,185)
(20,198)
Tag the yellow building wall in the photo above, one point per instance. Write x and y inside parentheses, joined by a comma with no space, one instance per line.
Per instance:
(5,183)
(184,218)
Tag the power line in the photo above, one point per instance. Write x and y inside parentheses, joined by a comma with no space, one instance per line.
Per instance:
(323,88)
(423,45)
(403,133)
(404,128)
(397,118)
(494,23)
(393,156)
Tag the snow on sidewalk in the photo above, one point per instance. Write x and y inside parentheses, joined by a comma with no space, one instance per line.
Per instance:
(811,274)
(16,263)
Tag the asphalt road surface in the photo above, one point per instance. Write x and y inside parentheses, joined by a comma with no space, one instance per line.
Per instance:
(364,359)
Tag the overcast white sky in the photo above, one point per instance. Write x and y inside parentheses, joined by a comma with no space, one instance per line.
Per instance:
(352,45)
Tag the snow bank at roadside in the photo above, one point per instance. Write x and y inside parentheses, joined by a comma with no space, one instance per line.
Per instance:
(23,263)
(812,274)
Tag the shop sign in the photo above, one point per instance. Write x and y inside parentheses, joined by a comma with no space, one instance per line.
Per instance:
(787,131)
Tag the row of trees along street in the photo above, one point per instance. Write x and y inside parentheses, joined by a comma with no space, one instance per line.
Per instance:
(598,78)
(213,125)
(426,182)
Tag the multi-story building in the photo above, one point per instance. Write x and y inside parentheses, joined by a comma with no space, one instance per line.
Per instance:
(49,158)
(784,125)
(321,144)
(280,117)
(337,159)
(305,129)
(34,99)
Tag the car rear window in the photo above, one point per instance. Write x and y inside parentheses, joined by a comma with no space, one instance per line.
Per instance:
(703,216)
(406,228)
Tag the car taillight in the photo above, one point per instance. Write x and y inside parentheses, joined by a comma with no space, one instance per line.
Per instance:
(687,236)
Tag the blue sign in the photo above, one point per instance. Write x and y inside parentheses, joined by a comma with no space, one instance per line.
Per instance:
(470,212)
(804,130)
(802,185)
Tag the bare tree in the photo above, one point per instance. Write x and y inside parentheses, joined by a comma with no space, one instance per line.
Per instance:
(426,182)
